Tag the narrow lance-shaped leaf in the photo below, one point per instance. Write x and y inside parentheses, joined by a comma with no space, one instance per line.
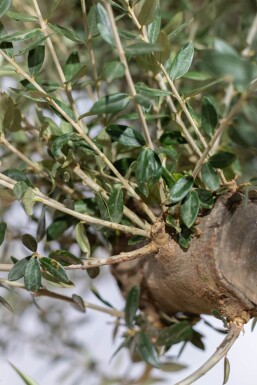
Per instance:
(18,269)
(182,61)
(6,304)
(109,104)
(146,350)
(103,25)
(65,258)
(226,370)
(174,334)
(3,227)
(148,169)
(155,26)
(32,275)
(181,188)
(190,208)
(115,205)
(68,33)
(36,59)
(55,269)
(210,177)
(128,136)
(27,380)
(132,304)
(82,239)
(209,117)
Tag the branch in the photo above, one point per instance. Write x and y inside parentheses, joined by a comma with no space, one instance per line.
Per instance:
(42,198)
(234,331)
(77,127)
(130,82)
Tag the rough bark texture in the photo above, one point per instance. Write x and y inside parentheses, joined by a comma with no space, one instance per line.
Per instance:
(218,271)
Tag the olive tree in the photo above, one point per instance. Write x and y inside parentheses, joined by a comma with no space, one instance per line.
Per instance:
(129,125)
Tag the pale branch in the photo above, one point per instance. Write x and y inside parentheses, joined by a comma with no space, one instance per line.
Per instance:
(42,198)
(47,293)
(55,58)
(222,350)
(88,181)
(128,76)
(225,122)
(77,127)
(250,37)
(96,262)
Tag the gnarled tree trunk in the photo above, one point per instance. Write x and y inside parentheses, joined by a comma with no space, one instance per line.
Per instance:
(218,271)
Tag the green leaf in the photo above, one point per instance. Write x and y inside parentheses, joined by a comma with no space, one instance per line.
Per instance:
(36,59)
(58,227)
(6,304)
(172,138)
(128,136)
(146,350)
(65,258)
(103,25)
(28,200)
(217,315)
(82,239)
(154,28)
(18,16)
(210,177)
(103,207)
(182,61)
(79,304)
(150,92)
(226,370)
(21,35)
(18,175)
(18,269)
(4,6)
(136,239)
(29,242)
(65,108)
(181,188)
(27,380)
(132,304)
(113,70)
(172,367)
(147,12)
(72,66)
(3,227)
(55,269)
(115,205)
(148,169)
(109,104)
(174,334)
(6,112)
(209,117)
(32,275)
(222,159)
(97,294)
(68,33)
(206,198)
(190,208)
(93,272)
(184,238)
(142,49)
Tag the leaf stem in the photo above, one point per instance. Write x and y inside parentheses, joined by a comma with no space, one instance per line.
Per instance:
(81,132)
(234,331)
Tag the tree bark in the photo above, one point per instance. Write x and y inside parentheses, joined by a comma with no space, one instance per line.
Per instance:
(218,271)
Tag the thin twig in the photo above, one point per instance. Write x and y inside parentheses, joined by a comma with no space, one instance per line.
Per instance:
(83,135)
(42,198)
(234,331)
(250,37)
(130,82)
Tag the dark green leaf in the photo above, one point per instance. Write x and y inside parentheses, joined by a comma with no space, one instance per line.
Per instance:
(29,242)
(132,304)
(226,370)
(184,238)
(196,340)
(72,66)
(4,6)
(6,304)
(172,138)
(174,334)
(57,228)
(103,207)
(79,304)
(18,269)
(35,59)
(103,25)
(3,228)
(54,268)
(148,169)
(18,175)
(181,188)
(68,33)
(97,294)
(32,275)
(167,177)
(82,239)
(206,198)
(209,117)
(65,108)
(182,61)
(210,177)
(128,136)
(65,258)
(172,222)
(190,208)
(41,226)
(146,350)
(93,272)
(109,104)
(222,159)
(27,380)
(136,239)
(142,49)
(115,205)
(147,12)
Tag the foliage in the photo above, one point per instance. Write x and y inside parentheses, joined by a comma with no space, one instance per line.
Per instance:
(121,112)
